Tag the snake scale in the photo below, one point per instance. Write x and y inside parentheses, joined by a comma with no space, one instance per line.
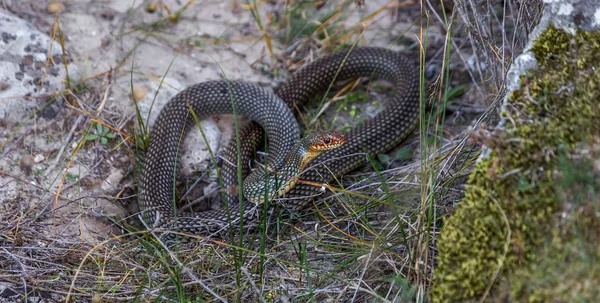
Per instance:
(377,135)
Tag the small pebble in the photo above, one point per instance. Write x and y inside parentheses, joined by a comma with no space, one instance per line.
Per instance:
(112,181)
(26,164)
(4,86)
(39,158)
(55,7)
(139,93)
(96,299)
(151,8)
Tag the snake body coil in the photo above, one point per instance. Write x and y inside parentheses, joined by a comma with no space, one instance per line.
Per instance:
(376,135)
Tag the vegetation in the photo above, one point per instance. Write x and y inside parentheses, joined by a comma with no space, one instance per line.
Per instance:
(518,223)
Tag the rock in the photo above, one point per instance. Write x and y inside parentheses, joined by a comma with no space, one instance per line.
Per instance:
(196,148)
(39,158)
(23,58)
(112,181)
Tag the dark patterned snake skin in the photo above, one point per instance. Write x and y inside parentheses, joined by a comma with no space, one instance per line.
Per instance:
(377,135)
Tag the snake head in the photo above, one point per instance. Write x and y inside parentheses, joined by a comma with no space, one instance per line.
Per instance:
(321,141)
(316,143)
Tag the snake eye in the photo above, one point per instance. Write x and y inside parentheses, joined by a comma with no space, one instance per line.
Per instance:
(326,140)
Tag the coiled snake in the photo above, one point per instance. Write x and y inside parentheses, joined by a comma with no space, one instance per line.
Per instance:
(377,135)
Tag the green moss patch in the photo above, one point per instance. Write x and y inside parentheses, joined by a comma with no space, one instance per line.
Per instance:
(504,229)
(567,268)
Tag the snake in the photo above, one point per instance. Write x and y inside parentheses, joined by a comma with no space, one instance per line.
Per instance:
(272,115)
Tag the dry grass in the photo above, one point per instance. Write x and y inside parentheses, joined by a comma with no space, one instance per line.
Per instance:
(376,242)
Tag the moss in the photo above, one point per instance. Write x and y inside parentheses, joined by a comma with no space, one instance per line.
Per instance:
(555,108)
(567,269)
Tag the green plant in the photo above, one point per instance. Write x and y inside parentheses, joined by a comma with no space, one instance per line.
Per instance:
(101,132)
(71,177)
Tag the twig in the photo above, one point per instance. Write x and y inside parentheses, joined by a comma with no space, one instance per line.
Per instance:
(11,146)
(62,148)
